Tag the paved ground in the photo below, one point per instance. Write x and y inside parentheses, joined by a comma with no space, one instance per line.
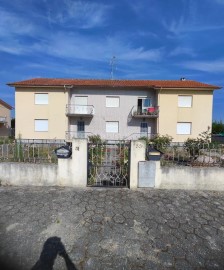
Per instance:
(111,229)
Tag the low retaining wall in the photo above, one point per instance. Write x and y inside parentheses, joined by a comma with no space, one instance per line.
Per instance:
(191,178)
(23,174)
(69,172)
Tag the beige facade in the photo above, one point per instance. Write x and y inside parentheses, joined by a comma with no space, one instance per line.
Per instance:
(5,118)
(198,115)
(126,110)
(27,112)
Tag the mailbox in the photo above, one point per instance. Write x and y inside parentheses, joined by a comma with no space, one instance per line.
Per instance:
(63,152)
(153,154)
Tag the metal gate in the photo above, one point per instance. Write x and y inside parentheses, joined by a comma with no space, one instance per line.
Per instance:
(108,164)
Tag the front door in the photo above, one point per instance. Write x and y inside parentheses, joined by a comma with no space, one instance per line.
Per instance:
(81,129)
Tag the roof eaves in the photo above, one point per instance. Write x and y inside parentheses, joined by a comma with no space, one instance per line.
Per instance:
(6,104)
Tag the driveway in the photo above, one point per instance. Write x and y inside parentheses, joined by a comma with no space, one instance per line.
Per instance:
(93,228)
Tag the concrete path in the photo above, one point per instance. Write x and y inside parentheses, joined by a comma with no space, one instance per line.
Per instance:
(92,228)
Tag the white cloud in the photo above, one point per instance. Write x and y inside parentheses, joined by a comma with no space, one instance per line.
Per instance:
(220,2)
(192,18)
(207,66)
(13,47)
(77,14)
(182,51)
(11,24)
(75,46)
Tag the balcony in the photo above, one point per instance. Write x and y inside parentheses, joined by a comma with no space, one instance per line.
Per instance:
(80,110)
(2,119)
(69,135)
(150,112)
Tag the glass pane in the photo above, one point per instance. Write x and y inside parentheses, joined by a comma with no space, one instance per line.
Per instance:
(144,127)
(81,126)
(146,102)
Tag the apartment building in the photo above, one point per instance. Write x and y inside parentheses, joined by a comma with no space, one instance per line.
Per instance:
(114,109)
(5,118)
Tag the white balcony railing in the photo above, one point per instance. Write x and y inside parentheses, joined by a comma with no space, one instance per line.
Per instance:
(80,110)
(69,135)
(150,112)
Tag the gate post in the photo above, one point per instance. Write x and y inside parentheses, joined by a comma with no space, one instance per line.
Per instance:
(138,151)
(79,162)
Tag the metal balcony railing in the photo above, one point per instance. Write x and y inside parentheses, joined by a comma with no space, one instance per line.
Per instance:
(150,112)
(80,110)
(69,135)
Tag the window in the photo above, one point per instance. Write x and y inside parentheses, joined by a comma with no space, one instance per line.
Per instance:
(143,104)
(81,101)
(144,129)
(185,101)
(41,99)
(184,128)
(112,102)
(112,127)
(81,129)
(41,124)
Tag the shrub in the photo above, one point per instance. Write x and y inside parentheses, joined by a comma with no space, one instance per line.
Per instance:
(95,139)
(161,142)
(201,142)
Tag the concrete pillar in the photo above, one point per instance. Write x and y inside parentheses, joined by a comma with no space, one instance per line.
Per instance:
(73,172)
(79,162)
(157,166)
(138,149)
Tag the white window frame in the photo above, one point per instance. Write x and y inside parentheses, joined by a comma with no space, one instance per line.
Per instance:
(41,99)
(41,125)
(112,102)
(185,101)
(184,128)
(110,128)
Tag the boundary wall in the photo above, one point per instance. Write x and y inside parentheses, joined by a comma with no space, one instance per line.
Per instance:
(143,174)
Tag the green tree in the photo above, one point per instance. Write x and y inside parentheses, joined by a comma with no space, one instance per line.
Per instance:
(217,127)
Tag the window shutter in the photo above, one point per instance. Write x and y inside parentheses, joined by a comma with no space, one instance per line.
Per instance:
(81,100)
(41,125)
(112,102)
(184,128)
(41,99)
(185,101)
(112,127)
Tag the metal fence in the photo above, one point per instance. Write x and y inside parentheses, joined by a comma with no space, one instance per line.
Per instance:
(206,155)
(33,152)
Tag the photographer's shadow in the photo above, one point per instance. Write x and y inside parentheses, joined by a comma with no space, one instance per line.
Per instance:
(53,247)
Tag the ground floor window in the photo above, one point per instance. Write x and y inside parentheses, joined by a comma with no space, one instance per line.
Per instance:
(184,128)
(41,124)
(112,126)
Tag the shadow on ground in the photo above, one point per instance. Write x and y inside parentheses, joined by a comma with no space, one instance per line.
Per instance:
(51,249)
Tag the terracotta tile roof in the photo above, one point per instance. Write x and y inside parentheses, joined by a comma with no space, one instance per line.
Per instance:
(113,83)
(6,104)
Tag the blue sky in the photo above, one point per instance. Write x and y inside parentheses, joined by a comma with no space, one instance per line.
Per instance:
(151,39)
